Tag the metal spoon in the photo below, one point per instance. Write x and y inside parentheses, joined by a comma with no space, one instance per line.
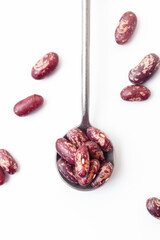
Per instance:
(109,156)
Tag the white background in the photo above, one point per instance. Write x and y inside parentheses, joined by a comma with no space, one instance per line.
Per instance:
(35,202)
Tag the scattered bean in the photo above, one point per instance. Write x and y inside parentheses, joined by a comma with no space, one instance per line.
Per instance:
(28,105)
(153,206)
(7,162)
(2,176)
(126,27)
(45,65)
(145,69)
(135,93)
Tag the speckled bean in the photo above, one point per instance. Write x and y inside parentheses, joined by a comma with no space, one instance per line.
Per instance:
(77,137)
(94,167)
(153,206)
(28,105)
(2,176)
(135,93)
(66,150)
(145,69)
(104,173)
(82,161)
(100,138)
(126,27)
(7,162)
(94,150)
(45,65)
(67,170)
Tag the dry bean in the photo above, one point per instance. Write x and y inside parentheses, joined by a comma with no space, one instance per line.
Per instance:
(28,105)
(94,167)
(153,206)
(135,93)
(45,65)
(2,176)
(104,173)
(67,170)
(7,162)
(94,150)
(82,161)
(66,150)
(145,69)
(126,27)
(77,137)
(100,138)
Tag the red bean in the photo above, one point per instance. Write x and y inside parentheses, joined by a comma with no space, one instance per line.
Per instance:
(2,176)
(153,207)
(126,27)
(66,150)
(28,105)
(67,170)
(100,138)
(145,69)
(94,150)
(82,161)
(7,162)
(104,173)
(94,167)
(77,137)
(45,65)
(135,93)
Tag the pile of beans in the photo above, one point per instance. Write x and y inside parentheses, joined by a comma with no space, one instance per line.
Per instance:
(82,158)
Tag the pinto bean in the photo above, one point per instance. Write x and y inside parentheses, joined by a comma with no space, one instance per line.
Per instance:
(153,207)
(94,167)
(7,162)
(67,170)
(28,105)
(82,161)
(135,93)
(104,173)
(145,69)
(66,150)
(126,27)
(2,176)
(94,150)
(77,137)
(45,65)
(100,138)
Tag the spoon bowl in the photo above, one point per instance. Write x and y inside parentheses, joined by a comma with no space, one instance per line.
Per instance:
(109,157)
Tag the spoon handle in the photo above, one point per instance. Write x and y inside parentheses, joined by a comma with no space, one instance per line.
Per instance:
(85,61)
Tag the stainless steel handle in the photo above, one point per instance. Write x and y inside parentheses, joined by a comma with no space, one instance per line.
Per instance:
(85,60)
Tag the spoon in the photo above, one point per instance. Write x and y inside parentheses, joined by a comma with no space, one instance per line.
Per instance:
(109,156)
